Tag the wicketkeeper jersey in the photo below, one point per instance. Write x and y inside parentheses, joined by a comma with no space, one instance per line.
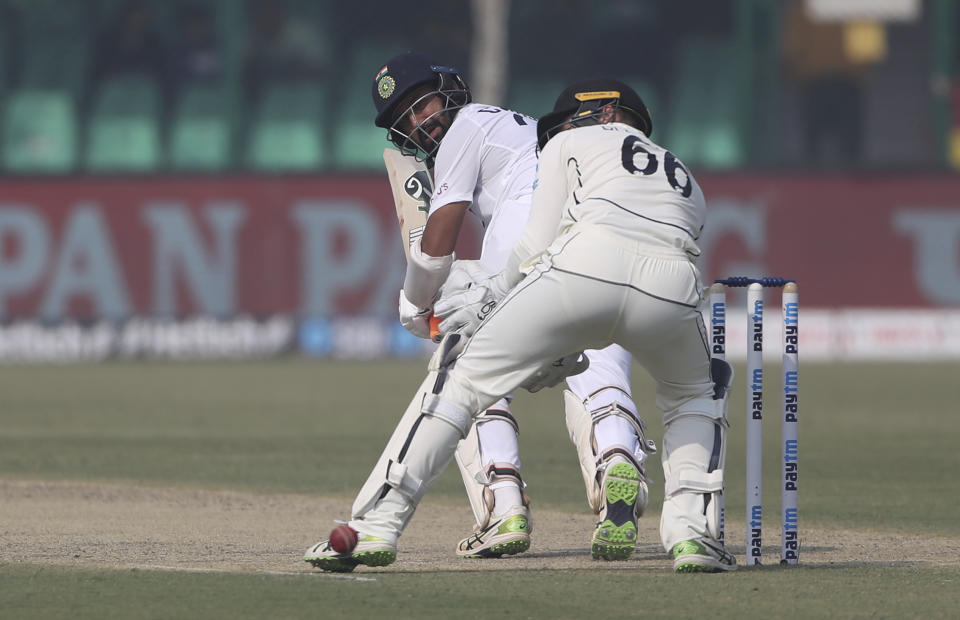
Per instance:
(613,177)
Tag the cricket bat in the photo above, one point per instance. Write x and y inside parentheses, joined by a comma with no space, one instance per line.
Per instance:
(412,187)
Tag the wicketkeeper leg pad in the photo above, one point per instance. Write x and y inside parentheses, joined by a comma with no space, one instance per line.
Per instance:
(694,454)
(694,457)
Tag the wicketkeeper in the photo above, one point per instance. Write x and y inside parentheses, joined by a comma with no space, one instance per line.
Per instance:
(608,255)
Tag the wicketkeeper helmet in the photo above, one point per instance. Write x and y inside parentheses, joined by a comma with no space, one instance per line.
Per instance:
(582,103)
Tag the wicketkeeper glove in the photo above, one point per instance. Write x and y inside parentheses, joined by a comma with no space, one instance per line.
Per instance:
(464,311)
(464,274)
(553,373)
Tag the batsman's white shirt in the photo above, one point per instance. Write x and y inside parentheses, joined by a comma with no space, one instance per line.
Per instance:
(488,158)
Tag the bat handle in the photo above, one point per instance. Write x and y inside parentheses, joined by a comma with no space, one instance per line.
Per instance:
(435,334)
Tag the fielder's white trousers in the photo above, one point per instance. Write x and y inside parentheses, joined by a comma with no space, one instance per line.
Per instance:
(607,379)
(591,289)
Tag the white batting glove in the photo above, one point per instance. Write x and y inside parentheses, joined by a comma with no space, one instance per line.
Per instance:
(414,320)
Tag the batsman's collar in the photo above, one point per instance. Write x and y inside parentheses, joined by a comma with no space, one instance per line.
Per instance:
(398,77)
(576,95)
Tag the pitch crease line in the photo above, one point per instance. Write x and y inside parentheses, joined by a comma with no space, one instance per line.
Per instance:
(194,569)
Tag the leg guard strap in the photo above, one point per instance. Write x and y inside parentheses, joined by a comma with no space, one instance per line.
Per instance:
(399,478)
(499,414)
(615,409)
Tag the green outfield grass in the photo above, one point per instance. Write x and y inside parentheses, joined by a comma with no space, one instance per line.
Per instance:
(54,593)
(877,448)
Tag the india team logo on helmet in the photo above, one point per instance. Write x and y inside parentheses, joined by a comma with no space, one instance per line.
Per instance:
(385,83)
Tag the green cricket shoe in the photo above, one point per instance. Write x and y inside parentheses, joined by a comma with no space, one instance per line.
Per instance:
(625,495)
(508,534)
(701,556)
(370,551)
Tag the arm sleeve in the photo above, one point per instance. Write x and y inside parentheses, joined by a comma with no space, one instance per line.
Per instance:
(457,169)
(549,195)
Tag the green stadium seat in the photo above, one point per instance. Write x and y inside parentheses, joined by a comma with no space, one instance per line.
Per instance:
(288,131)
(358,143)
(699,134)
(39,132)
(124,127)
(201,132)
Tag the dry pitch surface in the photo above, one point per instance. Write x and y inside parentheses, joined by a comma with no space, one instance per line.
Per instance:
(127,527)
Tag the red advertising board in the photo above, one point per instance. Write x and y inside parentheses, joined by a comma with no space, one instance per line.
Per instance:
(866,240)
(92,247)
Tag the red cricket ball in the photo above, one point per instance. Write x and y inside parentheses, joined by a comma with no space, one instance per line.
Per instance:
(343,539)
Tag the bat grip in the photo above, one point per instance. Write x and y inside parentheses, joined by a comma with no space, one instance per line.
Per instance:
(435,334)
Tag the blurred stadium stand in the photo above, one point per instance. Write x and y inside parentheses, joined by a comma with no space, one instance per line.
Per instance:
(201,130)
(124,126)
(39,131)
(357,142)
(203,177)
(287,128)
(716,80)
(705,134)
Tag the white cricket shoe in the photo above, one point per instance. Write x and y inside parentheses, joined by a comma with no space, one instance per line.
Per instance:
(702,556)
(507,534)
(370,551)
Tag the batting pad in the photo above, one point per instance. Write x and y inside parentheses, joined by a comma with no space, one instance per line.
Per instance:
(416,454)
(581,425)
(475,472)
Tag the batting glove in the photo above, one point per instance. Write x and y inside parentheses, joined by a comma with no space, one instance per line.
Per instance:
(414,320)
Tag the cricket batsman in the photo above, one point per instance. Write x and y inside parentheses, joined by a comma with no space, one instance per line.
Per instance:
(483,160)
